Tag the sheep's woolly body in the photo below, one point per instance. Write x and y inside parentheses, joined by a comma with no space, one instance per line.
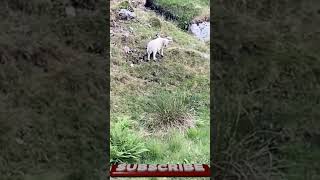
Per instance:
(157,45)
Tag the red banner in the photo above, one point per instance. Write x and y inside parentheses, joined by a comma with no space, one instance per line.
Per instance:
(160,170)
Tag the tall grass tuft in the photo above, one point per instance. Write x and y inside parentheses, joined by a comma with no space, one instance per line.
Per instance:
(168,110)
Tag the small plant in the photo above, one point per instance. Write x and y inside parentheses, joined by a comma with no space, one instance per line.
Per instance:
(193,134)
(169,110)
(125,5)
(175,142)
(126,145)
(156,149)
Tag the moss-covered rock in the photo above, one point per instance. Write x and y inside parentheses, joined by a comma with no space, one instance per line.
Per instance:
(155,22)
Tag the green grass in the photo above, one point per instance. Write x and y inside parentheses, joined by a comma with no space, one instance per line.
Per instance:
(174,142)
(178,148)
(156,150)
(185,10)
(158,95)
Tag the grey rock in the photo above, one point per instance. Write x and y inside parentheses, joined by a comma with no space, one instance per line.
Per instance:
(201,30)
(126,14)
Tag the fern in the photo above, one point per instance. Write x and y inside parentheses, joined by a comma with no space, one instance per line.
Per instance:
(126,145)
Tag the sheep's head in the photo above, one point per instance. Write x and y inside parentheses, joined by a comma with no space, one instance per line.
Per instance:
(166,41)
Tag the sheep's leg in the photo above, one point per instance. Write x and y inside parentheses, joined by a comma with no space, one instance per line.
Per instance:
(149,56)
(162,52)
(154,55)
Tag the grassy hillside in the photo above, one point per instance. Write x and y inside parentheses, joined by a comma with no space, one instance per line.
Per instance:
(159,110)
(182,11)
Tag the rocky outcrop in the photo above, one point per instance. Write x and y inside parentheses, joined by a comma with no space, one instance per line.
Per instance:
(125,14)
(201,30)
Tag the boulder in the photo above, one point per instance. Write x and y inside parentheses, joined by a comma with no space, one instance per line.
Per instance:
(201,30)
(125,14)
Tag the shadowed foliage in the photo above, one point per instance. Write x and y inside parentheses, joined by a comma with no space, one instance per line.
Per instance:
(52,90)
(266,88)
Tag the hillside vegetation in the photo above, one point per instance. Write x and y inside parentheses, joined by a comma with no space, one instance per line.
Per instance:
(182,12)
(159,110)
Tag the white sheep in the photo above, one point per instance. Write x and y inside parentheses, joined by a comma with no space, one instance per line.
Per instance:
(157,45)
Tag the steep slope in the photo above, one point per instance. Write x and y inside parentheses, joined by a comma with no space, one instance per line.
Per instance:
(144,94)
